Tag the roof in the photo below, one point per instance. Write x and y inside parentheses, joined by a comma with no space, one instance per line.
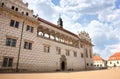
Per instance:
(56,26)
(97,58)
(115,56)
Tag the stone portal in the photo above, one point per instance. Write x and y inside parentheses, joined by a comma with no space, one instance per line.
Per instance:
(63,63)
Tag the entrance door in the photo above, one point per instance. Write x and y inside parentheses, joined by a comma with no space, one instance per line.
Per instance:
(63,66)
(63,63)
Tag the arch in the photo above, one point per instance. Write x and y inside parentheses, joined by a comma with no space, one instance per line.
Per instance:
(63,63)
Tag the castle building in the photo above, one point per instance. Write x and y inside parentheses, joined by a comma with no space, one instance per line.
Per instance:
(114,60)
(99,63)
(30,43)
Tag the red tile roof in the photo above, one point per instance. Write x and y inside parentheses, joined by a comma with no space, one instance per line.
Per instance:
(115,56)
(56,26)
(97,58)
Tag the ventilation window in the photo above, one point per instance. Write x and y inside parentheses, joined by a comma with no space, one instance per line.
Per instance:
(12,7)
(87,64)
(2,4)
(16,9)
(27,14)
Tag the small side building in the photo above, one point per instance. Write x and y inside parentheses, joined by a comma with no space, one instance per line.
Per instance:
(99,63)
(114,60)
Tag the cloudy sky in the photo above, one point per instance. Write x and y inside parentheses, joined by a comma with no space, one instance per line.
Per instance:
(100,18)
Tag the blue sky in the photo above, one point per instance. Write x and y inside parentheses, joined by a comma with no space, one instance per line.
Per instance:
(100,18)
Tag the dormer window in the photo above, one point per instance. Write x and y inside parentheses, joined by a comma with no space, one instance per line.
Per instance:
(2,4)
(16,9)
(12,7)
(27,14)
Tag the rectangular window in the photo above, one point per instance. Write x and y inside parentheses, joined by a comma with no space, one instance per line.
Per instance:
(29,28)
(17,24)
(67,52)
(8,41)
(46,49)
(11,42)
(7,62)
(27,45)
(81,55)
(58,50)
(32,29)
(75,54)
(14,23)
(87,64)
(30,46)
(117,62)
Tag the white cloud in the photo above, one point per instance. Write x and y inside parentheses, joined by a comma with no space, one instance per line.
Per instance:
(109,15)
(105,28)
(108,51)
(86,6)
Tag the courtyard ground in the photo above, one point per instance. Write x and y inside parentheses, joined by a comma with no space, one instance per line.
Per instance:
(96,74)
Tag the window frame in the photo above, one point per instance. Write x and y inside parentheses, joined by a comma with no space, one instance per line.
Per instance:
(11,42)
(58,50)
(82,55)
(87,64)
(14,23)
(27,45)
(7,62)
(67,52)
(75,53)
(29,28)
(46,48)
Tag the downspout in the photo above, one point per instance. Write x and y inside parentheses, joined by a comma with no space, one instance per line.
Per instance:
(17,66)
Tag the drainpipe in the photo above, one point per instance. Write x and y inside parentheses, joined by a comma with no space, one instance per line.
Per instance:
(17,69)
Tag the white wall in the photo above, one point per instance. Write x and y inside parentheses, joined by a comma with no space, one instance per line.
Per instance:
(113,63)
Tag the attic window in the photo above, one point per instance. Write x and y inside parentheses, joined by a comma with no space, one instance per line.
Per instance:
(16,9)
(12,7)
(27,14)
(2,4)
(87,64)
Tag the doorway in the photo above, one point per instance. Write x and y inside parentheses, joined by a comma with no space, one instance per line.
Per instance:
(63,66)
(63,63)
